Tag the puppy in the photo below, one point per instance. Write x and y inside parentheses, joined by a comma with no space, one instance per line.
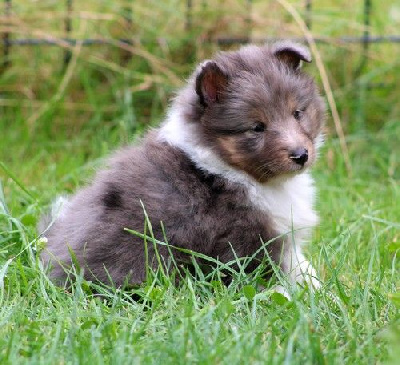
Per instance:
(225,173)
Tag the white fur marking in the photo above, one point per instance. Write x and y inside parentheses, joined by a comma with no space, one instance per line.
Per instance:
(58,207)
(288,200)
(299,268)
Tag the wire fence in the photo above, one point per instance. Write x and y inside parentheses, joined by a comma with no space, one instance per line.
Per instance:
(356,78)
(9,42)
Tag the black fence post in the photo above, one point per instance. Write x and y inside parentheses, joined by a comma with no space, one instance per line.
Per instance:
(68,29)
(308,17)
(128,18)
(363,85)
(365,40)
(127,15)
(367,17)
(188,43)
(6,36)
(189,9)
(249,20)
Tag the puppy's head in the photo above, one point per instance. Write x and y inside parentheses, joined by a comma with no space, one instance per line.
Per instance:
(259,111)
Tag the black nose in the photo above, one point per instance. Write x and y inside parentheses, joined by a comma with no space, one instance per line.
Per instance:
(299,155)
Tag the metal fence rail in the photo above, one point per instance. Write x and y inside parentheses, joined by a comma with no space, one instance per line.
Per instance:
(70,42)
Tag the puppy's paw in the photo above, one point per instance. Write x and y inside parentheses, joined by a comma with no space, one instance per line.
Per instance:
(299,269)
(304,273)
(281,290)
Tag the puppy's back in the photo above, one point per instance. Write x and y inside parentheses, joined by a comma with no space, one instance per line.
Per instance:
(92,223)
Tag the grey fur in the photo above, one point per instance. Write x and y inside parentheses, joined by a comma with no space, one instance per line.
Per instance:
(200,211)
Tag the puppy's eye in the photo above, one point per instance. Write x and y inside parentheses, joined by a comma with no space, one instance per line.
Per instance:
(258,127)
(298,114)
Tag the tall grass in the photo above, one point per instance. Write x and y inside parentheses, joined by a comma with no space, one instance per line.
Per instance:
(57,122)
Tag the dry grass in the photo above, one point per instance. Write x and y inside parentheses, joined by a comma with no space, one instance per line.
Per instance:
(167,41)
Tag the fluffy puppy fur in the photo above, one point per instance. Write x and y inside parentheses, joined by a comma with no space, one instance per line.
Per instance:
(227,169)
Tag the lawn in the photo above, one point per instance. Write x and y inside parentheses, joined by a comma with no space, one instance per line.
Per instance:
(56,125)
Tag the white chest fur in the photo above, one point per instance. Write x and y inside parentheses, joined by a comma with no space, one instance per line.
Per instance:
(289,201)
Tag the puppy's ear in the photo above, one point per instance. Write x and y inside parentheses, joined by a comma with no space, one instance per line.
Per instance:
(292,54)
(211,82)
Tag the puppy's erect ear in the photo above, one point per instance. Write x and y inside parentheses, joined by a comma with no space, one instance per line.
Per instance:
(211,81)
(292,54)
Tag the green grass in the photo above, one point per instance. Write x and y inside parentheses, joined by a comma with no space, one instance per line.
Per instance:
(53,137)
(351,320)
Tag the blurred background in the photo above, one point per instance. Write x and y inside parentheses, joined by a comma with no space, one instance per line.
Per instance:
(79,78)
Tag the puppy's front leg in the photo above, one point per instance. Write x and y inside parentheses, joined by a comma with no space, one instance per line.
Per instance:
(297,267)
